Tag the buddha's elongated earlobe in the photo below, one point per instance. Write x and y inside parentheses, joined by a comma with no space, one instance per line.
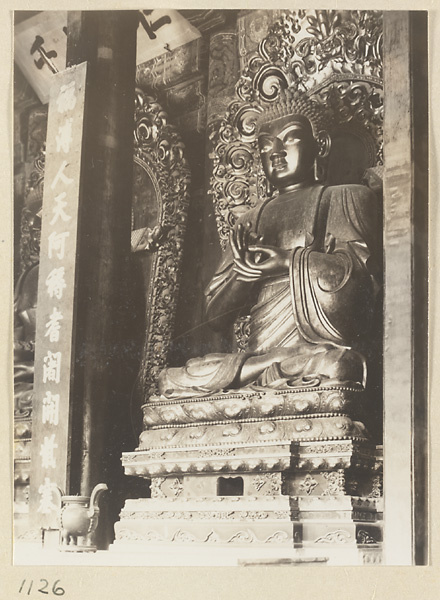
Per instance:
(320,171)
(324,144)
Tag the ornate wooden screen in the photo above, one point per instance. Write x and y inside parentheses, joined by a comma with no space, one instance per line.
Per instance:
(160,200)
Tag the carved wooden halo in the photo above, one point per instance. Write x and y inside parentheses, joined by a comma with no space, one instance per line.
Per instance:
(31,214)
(159,159)
(335,57)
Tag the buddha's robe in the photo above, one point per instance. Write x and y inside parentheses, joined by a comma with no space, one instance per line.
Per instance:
(305,325)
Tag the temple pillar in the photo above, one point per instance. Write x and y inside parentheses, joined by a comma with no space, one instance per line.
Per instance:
(107,41)
(405,326)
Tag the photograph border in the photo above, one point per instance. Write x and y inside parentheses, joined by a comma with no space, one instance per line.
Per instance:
(98,582)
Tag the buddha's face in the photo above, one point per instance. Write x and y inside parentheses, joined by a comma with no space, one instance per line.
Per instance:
(288,151)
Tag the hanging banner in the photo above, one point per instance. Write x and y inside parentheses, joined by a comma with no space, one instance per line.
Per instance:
(56,296)
(41,43)
(161,31)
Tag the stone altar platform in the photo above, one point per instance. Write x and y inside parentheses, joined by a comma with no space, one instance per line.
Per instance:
(286,471)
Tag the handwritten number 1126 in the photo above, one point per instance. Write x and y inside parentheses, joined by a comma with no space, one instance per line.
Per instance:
(57,590)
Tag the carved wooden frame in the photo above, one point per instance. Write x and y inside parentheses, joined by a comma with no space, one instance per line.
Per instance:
(159,150)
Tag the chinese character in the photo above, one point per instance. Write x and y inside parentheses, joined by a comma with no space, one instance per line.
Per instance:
(58,210)
(55,283)
(53,326)
(64,136)
(47,452)
(45,56)
(149,27)
(60,175)
(66,98)
(57,244)
(51,406)
(52,367)
(46,490)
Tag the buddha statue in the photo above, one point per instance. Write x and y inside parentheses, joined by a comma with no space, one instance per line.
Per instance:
(302,264)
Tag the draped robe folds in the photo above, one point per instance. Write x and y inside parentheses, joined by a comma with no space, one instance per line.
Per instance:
(305,325)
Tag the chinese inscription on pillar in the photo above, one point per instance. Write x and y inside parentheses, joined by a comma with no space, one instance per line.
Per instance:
(56,300)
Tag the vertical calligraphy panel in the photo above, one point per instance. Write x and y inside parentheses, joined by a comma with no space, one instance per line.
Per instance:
(50,453)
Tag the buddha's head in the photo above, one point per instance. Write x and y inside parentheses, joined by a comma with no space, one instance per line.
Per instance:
(291,137)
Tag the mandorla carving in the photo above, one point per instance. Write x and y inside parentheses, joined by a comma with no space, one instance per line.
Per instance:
(339,41)
(306,47)
(160,150)
(357,107)
(334,56)
(25,293)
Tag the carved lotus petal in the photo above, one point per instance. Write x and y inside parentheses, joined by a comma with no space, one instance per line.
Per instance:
(268,407)
(168,416)
(168,435)
(231,430)
(197,433)
(198,413)
(267,428)
(302,404)
(335,401)
(217,466)
(305,425)
(253,464)
(234,409)
(343,424)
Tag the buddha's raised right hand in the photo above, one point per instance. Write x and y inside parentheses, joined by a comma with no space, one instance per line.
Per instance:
(253,260)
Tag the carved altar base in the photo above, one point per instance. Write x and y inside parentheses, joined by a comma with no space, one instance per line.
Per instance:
(266,474)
